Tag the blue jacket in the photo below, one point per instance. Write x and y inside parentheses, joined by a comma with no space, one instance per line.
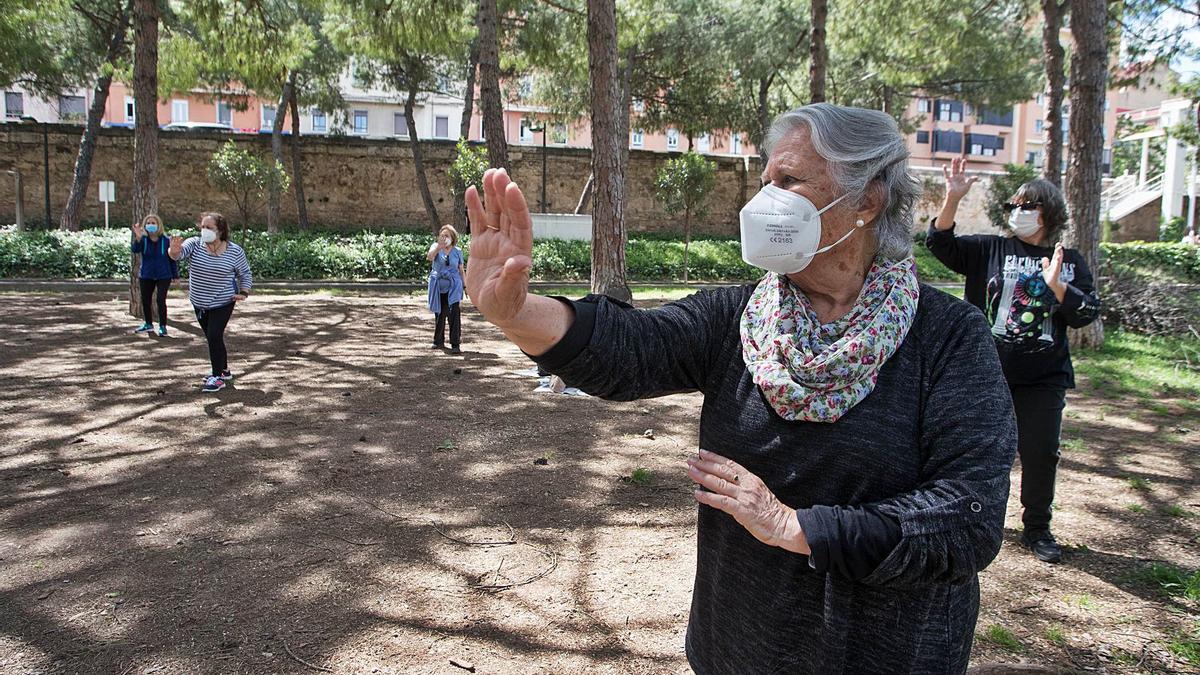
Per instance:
(444,278)
(156,264)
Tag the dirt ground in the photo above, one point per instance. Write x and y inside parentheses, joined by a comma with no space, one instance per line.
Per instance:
(357,502)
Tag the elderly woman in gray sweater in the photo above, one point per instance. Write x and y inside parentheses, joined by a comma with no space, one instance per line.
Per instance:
(856,433)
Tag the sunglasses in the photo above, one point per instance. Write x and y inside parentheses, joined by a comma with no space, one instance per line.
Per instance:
(1027,206)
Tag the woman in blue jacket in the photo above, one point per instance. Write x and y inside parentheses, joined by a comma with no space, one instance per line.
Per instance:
(446,287)
(157,269)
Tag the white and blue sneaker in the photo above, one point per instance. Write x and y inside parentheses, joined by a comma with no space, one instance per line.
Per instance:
(145,328)
(213,384)
(162,330)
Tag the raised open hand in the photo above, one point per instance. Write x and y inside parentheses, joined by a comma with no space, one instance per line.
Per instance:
(1052,272)
(176,248)
(138,230)
(957,182)
(501,248)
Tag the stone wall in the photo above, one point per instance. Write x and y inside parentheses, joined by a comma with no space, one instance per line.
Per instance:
(354,182)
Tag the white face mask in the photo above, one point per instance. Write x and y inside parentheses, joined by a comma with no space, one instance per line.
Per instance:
(1024,223)
(208,236)
(781,230)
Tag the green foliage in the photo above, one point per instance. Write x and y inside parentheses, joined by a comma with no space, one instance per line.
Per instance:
(640,476)
(1056,636)
(1140,365)
(1170,230)
(468,167)
(1003,188)
(1174,261)
(1170,580)
(1002,637)
(1127,155)
(684,183)
(244,176)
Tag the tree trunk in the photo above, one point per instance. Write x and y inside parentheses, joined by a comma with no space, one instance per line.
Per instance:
(418,163)
(1089,75)
(145,129)
(464,127)
(608,218)
(1053,12)
(817,52)
(489,85)
(297,162)
(87,145)
(764,117)
(83,160)
(273,187)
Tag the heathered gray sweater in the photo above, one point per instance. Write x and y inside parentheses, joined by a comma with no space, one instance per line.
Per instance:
(914,479)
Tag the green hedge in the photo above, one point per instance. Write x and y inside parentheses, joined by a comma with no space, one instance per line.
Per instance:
(104,254)
(1176,262)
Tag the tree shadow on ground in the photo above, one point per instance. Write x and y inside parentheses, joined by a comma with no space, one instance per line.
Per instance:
(313,509)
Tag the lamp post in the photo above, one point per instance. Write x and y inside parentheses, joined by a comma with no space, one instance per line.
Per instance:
(542,128)
(45,165)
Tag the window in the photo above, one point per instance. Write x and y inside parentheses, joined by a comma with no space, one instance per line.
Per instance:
(996,117)
(638,138)
(989,152)
(950,111)
(558,134)
(1041,99)
(441,127)
(482,131)
(735,143)
(924,105)
(923,137)
(526,88)
(672,139)
(947,141)
(1030,158)
(268,117)
(72,107)
(976,149)
(986,144)
(399,125)
(702,143)
(320,124)
(130,111)
(1038,125)
(639,106)
(224,114)
(360,121)
(179,110)
(526,135)
(14,104)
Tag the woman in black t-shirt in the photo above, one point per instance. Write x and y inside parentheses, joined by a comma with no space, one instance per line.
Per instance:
(1031,289)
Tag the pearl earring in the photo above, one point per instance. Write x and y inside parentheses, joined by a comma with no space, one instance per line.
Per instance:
(860,223)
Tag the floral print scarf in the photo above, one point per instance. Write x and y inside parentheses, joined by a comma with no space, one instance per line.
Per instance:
(814,372)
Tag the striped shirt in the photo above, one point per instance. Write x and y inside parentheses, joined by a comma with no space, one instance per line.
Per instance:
(213,280)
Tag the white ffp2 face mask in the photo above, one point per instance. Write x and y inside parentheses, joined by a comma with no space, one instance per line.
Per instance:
(781,230)
(1024,223)
(208,236)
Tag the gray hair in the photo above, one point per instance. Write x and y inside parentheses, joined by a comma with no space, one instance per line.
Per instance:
(861,146)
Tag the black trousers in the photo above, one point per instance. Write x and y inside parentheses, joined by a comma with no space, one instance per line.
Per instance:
(213,322)
(1039,425)
(148,286)
(454,313)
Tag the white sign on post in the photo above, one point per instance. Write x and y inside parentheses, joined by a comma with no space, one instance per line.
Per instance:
(108,194)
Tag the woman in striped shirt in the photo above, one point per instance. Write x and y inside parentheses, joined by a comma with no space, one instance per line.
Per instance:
(218,277)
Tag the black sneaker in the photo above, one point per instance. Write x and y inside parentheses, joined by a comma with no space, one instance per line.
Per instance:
(455,350)
(439,345)
(1043,545)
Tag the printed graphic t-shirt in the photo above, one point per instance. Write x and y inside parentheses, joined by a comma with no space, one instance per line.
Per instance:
(1029,324)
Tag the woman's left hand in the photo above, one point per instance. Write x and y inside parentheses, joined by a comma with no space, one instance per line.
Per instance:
(239,298)
(744,496)
(1052,273)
